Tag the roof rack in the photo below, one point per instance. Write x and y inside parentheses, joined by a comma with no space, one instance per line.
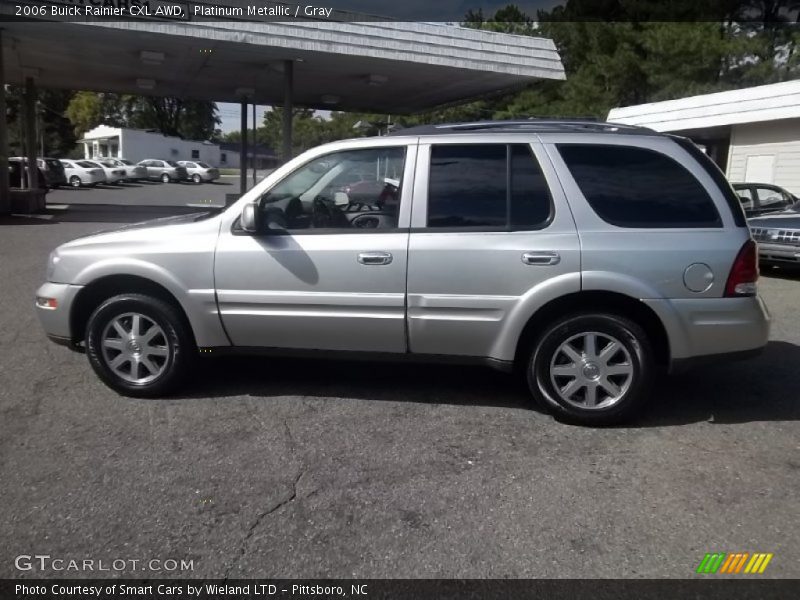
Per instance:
(526,126)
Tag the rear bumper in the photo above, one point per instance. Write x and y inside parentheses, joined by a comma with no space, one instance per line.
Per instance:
(708,327)
(56,321)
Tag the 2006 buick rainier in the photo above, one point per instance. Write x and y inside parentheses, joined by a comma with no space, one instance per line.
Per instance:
(586,256)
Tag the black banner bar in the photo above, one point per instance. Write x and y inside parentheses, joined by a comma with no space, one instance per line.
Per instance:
(376,589)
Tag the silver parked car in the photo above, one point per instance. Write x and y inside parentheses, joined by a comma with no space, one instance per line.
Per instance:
(113,173)
(778,237)
(165,170)
(133,172)
(82,172)
(587,255)
(199,171)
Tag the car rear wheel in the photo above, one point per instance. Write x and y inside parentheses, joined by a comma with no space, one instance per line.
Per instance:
(75,181)
(139,345)
(592,368)
(165,178)
(196,178)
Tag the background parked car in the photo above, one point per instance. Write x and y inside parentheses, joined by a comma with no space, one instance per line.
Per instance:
(113,173)
(778,237)
(51,168)
(165,170)
(133,172)
(15,174)
(81,172)
(763,198)
(199,171)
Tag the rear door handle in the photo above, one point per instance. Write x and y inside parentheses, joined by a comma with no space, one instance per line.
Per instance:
(541,258)
(375,258)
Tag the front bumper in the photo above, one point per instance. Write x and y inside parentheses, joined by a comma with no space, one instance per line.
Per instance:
(704,327)
(778,253)
(56,321)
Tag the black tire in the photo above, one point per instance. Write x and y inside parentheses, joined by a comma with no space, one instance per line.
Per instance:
(196,178)
(636,353)
(165,178)
(75,181)
(176,335)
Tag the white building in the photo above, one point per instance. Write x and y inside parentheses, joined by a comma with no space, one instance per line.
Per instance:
(753,133)
(139,144)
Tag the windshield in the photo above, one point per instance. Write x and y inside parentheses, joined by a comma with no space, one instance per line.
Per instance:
(86,164)
(125,162)
(171,163)
(204,165)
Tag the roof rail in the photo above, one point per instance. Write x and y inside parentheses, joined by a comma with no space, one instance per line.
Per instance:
(525,126)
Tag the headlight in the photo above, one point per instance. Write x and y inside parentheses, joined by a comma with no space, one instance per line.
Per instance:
(52,261)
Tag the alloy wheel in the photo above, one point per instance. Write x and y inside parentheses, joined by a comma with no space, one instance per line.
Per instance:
(135,348)
(591,370)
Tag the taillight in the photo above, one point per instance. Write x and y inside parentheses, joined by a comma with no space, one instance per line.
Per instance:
(744,272)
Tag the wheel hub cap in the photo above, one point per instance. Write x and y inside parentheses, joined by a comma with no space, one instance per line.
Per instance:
(591,370)
(135,348)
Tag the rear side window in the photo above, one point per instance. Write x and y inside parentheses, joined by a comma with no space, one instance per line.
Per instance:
(487,186)
(637,187)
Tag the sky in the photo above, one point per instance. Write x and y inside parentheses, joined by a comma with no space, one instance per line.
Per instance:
(229,113)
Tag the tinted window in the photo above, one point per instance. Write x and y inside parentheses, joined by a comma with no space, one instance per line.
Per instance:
(473,186)
(467,186)
(636,187)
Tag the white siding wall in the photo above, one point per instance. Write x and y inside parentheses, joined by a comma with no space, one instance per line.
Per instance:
(780,139)
(136,145)
(139,145)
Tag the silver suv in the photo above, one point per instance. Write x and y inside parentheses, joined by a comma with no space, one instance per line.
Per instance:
(588,256)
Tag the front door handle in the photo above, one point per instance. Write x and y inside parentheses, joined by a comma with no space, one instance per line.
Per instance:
(375,258)
(541,258)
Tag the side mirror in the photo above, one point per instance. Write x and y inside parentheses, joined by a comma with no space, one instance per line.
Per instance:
(250,220)
(341,199)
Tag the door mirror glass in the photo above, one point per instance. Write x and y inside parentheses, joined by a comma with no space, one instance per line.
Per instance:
(341,199)
(250,218)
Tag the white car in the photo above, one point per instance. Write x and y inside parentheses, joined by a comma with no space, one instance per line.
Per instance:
(199,171)
(133,172)
(82,172)
(114,174)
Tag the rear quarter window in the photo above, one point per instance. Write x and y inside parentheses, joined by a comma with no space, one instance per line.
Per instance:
(637,187)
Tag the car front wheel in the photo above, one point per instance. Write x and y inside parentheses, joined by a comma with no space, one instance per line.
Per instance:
(592,368)
(75,181)
(165,178)
(139,345)
(196,178)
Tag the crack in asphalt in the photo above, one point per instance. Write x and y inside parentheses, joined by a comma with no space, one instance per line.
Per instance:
(275,508)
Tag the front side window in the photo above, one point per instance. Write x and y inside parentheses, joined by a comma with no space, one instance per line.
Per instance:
(490,186)
(637,187)
(347,190)
(770,199)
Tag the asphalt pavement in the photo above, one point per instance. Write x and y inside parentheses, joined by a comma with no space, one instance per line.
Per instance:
(305,468)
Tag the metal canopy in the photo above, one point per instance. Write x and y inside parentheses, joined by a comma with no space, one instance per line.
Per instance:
(385,67)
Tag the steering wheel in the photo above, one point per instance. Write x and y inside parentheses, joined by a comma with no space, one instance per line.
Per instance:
(321,214)
(367,221)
